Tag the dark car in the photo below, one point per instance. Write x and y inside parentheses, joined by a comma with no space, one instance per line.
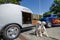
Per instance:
(51,20)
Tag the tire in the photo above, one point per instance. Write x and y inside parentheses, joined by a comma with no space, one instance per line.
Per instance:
(49,24)
(11,31)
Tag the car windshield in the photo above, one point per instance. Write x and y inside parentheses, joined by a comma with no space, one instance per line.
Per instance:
(51,15)
(47,16)
(54,15)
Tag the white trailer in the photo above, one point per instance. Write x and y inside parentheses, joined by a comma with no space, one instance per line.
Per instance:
(12,18)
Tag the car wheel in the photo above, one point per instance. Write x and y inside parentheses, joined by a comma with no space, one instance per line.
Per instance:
(49,24)
(11,31)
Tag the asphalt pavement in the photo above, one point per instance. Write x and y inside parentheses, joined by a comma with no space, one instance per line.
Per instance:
(28,34)
(53,32)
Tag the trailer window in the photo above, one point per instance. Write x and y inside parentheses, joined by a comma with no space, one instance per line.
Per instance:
(26,18)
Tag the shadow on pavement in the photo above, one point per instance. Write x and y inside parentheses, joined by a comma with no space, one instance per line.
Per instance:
(54,26)
(27,29)
(53,38)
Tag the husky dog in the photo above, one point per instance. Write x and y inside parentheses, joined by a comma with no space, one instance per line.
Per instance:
(40,29)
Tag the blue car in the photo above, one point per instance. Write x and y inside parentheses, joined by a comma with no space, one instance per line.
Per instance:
(51,20)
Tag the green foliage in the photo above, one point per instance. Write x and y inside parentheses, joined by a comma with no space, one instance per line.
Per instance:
(46,13)
(40,16)
(55,6)
(57,1)
(10,1)
(2,1)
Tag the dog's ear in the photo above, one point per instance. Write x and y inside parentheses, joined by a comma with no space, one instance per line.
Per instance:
(39,22)
(43,22)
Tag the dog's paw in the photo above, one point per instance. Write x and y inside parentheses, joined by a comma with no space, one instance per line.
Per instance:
(41,35)
(47,36)
(37,35)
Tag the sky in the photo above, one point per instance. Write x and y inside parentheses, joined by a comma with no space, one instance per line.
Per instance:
(37,6)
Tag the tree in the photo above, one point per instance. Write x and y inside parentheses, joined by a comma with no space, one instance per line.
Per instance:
(55,7)
(46,13)
(1,1)
(40,16)
(10,1)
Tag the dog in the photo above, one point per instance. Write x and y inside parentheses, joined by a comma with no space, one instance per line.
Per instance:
(40,29)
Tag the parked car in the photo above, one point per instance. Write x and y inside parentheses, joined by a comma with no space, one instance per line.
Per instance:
(12,19)
(51,20)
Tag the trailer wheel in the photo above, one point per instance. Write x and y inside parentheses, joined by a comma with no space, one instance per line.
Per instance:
(11,31)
